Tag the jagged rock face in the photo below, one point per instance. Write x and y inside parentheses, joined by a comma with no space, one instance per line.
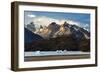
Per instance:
(78,33)
(64,30)
(86,33)
(44,32)
(54,27)
(54,30)
(31,27)
(48,32)
(58,37)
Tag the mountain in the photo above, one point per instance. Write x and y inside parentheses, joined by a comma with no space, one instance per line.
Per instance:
(54,30)
(65,42)
(53,27)
(30,36)
(58,37)
(86,33)
(63,30)
(49,31)
(31,26)
(78,32)
(44,32)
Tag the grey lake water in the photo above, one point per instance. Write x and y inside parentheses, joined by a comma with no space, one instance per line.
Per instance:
(50,53)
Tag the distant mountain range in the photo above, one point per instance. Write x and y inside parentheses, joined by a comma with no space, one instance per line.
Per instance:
(57,37)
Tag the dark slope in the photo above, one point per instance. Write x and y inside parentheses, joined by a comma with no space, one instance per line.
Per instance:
(30,36)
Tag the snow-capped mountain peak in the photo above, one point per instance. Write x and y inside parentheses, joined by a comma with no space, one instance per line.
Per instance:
(56,29)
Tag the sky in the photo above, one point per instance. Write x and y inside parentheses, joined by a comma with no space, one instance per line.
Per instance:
(45,18)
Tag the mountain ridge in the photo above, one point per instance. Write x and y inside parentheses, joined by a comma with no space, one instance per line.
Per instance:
(59,37)
(54,30)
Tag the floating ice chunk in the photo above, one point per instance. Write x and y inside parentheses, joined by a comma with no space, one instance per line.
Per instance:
(65,51)
(59,51)
(37,52)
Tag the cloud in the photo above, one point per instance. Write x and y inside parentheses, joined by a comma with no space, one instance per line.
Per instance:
(45,21)
(31,15)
